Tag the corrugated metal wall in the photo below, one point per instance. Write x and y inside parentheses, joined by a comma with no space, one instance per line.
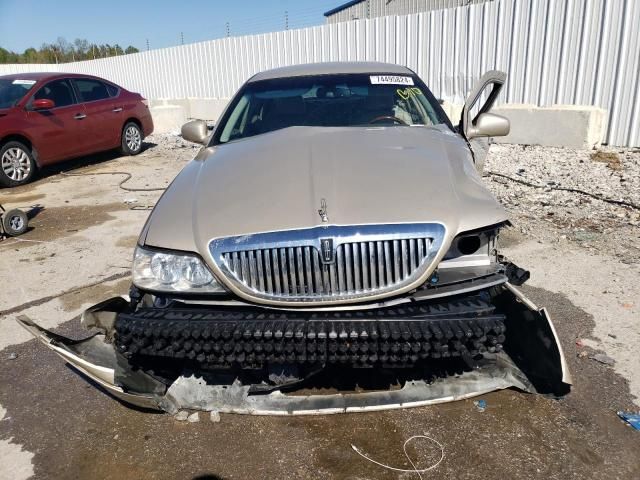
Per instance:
(382,8)
(581,52)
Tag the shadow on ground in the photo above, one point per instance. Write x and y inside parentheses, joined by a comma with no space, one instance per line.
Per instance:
(74,164)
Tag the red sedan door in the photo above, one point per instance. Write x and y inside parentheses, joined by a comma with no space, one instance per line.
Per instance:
(57,133)
(104,113)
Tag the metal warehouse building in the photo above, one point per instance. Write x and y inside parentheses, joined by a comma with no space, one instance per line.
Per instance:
(358,9)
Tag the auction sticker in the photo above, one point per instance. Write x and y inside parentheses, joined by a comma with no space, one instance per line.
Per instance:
(390,80)
(23,82)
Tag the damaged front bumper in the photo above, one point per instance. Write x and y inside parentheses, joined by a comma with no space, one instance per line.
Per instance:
(531,360)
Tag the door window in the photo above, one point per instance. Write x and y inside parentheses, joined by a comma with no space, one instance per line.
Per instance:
(113,91)
(59,91)
(91,90)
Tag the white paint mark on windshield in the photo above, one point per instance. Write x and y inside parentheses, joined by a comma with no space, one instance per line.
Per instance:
(390,80)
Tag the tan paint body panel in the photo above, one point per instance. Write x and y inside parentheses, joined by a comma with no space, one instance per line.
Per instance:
(368,175)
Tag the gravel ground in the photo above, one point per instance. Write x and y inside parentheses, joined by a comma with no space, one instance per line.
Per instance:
(583,256)
(550,215)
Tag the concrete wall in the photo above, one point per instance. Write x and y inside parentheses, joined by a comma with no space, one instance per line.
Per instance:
(570,126)
(169,114)
(207,108)
(168,118)
(453,111)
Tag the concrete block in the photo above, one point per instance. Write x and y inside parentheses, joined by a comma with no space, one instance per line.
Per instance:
(207,108)
(168,118)
(163,102)
(156,102)
(453,111)
(196,108)
(569,126)
(181,102)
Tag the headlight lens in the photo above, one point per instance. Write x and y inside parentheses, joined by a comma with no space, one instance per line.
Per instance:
(168,272)
(194,271)
(165,268)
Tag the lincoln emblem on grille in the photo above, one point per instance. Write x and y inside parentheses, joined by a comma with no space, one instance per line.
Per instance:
(327,251)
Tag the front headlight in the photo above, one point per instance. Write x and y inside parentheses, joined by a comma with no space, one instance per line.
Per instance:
(472,249)
(172,272)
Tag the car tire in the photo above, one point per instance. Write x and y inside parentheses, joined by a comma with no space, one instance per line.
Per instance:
(131,142)
(15,222)
(17,165)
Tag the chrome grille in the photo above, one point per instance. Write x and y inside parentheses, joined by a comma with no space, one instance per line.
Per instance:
(367,261)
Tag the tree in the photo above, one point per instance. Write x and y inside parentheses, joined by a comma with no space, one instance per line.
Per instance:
(46,54)
(62,51)
(30,55)
(4,55)
(81,47)
(93,52)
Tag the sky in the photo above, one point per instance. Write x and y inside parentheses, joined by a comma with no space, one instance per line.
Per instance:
(30,23)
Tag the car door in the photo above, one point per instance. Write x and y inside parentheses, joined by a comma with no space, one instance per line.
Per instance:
(59,132)
(104,113)
(479,101)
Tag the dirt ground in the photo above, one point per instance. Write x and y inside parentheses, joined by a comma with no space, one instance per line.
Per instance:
(56,425)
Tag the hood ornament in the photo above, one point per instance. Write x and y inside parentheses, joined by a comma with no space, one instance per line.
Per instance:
(323,211)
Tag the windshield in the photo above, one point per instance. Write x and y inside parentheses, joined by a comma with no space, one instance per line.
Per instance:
(12,91)
(329,101)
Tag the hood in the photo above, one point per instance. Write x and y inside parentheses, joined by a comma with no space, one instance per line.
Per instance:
(366,175)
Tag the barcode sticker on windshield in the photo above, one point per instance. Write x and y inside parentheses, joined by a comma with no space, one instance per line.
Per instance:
(390,80)
(23,82)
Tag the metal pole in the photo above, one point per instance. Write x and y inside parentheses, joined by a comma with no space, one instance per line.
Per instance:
(227,25)
(147,44)
(181,38)
(286,20)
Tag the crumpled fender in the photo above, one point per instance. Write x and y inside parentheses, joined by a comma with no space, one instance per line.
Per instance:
(533,361)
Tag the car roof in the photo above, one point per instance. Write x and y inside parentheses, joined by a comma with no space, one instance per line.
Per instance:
(29,76)
(330,68)
(37,76)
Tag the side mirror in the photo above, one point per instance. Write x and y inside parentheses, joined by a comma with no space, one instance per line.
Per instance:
(43,104)
(480,100)
(195,131)
(489,125)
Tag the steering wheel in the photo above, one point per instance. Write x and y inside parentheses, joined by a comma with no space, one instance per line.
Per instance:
(389,117)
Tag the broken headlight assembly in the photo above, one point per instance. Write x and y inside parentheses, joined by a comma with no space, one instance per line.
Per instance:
(472,249)
(165,271)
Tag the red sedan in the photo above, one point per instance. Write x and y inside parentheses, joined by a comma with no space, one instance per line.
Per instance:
(46,118)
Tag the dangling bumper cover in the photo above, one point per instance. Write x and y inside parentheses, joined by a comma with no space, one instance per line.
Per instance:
(532,361)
